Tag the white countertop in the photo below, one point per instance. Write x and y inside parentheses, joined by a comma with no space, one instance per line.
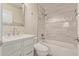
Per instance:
(16,37)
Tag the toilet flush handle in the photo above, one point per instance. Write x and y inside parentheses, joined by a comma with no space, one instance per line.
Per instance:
(77,39)
(42,36)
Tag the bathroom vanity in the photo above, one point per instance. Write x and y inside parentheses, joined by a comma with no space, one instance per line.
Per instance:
(18,45)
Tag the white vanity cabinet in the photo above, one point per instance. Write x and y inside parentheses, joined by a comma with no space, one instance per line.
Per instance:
(29,44)
(9,47)
(20,47)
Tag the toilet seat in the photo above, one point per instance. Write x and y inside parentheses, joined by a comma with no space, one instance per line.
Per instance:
(40,47)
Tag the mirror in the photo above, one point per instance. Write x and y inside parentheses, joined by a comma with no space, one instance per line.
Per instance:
(13,18)
(7,17)
(13,14)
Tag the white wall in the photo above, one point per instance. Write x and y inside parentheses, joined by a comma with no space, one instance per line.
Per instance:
(0,28)
(78,26)
(0,21)
(31,18)
(78,20)
(34,19)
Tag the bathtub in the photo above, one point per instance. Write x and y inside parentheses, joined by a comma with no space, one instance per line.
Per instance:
(58,48)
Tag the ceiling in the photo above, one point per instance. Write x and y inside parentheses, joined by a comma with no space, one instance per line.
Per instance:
(59,9)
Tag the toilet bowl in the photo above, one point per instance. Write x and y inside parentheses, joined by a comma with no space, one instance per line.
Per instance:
(41,50)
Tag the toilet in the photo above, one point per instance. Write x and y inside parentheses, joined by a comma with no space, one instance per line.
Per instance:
(41,50)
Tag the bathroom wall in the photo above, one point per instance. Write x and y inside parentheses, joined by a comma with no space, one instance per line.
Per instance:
(31,18)
(34,19)
(78,25)
(17,25)
(41,21)
(0,22)
(78,19)
(0,28)
(60,31)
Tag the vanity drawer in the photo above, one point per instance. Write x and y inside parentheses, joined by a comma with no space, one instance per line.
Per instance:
(16,53)
(8,49)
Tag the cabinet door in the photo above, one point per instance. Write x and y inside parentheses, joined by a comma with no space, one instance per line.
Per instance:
(28,54)
(16,53)
(28,50)
(9,48)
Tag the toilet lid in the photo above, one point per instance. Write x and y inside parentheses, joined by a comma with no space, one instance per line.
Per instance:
(40,47)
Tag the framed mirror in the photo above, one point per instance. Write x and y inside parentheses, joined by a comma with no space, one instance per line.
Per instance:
(13,14)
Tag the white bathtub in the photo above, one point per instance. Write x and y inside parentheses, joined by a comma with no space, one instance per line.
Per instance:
(58,48)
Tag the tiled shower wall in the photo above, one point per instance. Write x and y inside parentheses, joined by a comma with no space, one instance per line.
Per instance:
(57,31)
